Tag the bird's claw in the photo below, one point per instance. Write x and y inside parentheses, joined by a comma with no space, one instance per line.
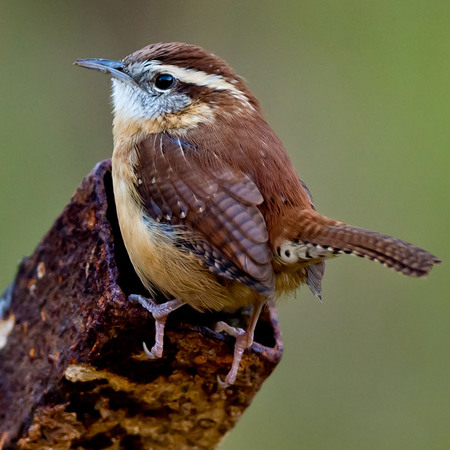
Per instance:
(159,313)
(222,384)
(154,353)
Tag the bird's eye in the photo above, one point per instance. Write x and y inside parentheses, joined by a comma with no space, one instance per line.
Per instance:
(164,81)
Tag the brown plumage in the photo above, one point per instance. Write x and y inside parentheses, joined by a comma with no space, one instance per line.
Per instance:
(210,207)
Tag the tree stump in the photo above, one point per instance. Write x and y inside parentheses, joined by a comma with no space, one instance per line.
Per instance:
(73,373)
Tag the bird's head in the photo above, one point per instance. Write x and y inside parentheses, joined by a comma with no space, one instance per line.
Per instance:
(172,87)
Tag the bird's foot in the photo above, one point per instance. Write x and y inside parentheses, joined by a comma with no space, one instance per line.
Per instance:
(159,313)
(244,340)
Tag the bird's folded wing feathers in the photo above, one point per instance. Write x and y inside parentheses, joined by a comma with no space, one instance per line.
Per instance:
(216,206)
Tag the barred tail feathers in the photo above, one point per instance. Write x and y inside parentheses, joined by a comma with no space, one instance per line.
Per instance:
(336,237)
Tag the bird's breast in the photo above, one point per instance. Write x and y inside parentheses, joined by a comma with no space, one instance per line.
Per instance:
(159,260)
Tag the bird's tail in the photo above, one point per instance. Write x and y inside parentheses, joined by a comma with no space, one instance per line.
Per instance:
(326,235)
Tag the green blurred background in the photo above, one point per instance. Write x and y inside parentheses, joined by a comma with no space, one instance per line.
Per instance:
(359,93)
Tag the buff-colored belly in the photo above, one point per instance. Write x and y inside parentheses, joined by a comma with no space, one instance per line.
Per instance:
(161,264)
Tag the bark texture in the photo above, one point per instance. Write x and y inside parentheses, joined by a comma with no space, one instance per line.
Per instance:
(72,370)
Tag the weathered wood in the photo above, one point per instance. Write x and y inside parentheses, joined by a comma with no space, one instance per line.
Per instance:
(72,370)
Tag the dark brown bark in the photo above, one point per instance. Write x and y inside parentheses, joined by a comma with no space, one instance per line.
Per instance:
(72,370)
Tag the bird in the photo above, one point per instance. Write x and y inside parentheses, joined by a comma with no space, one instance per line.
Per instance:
(211,209)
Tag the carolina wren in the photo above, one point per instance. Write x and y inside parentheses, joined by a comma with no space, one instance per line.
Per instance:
(210,208)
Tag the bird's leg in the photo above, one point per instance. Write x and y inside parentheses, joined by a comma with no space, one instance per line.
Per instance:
(159,313)
(244,339)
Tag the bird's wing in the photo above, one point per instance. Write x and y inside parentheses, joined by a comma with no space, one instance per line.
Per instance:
(191,189)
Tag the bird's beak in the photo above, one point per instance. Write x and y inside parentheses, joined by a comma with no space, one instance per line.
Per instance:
(114,68)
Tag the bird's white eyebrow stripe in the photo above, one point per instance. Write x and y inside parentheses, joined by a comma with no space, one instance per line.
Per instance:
(196,77)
